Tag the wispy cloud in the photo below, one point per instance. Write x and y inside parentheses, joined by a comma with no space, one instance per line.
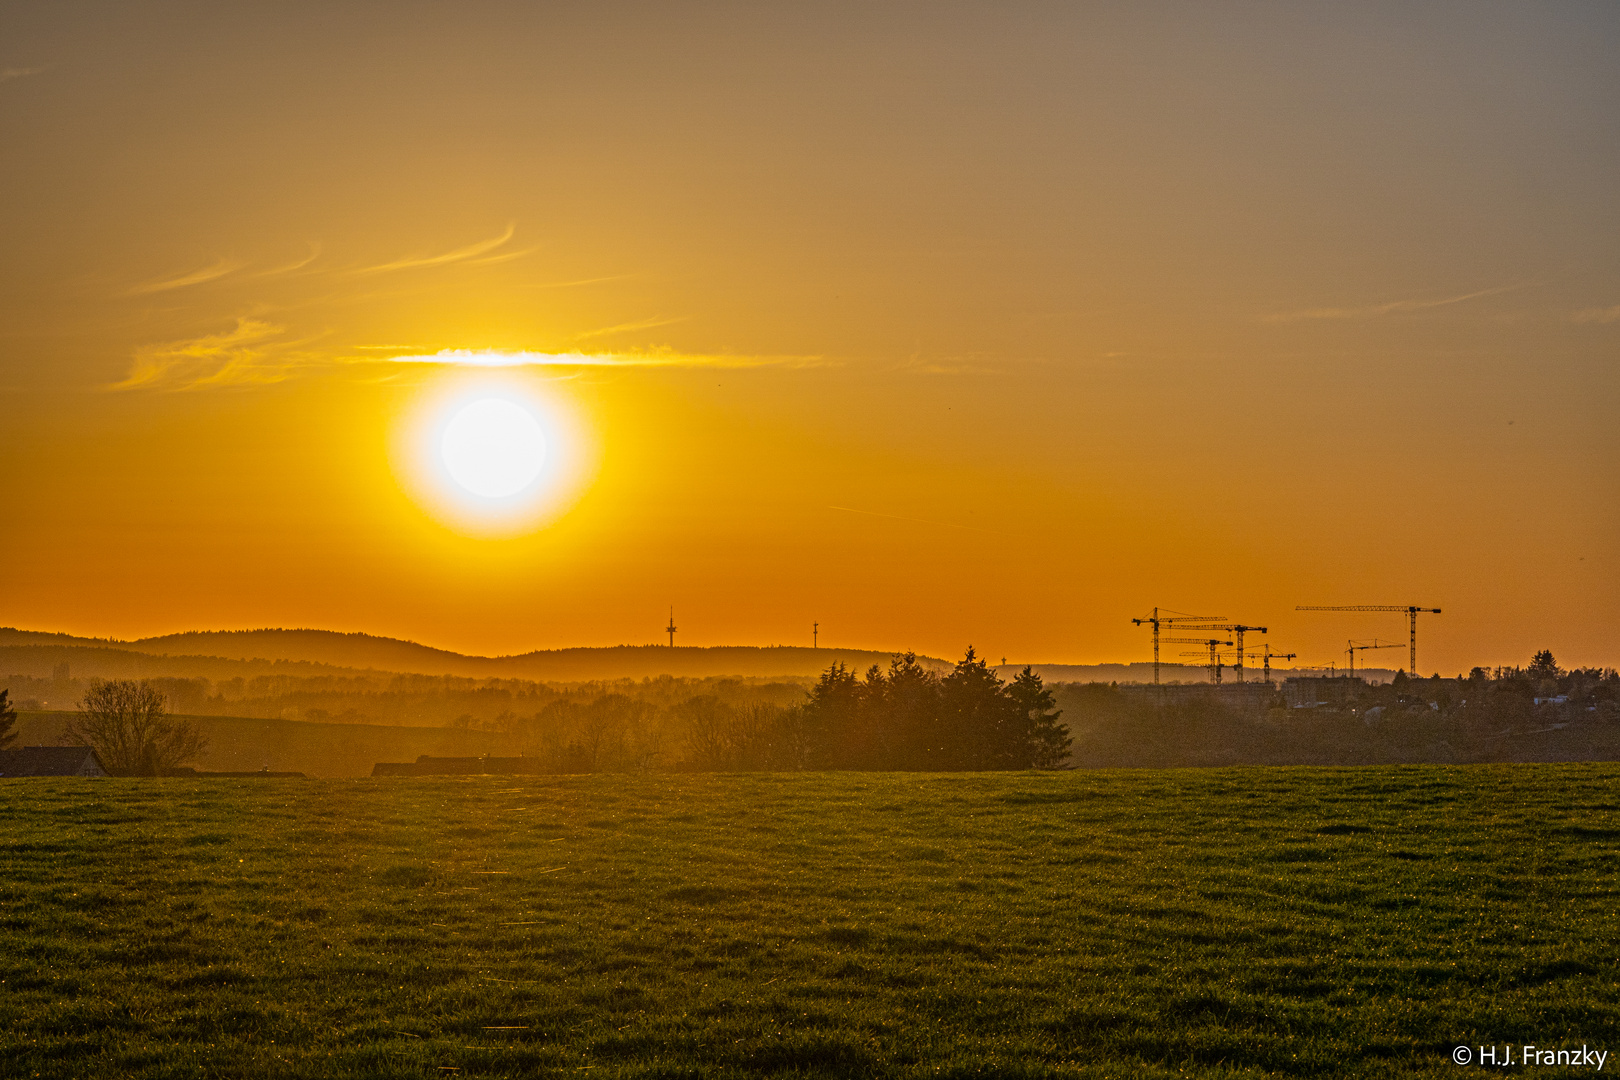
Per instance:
(582,281)
(625,328)
(650,358)
(196,277)
(471,251)
(7,74)
(314,253)
(1599,314)
(1392,307)
(248,354)
(256,352)
(505,256)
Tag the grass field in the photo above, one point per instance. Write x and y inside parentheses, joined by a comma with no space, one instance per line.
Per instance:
(1238,922)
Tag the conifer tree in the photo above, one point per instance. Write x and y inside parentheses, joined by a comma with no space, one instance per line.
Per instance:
(8,719)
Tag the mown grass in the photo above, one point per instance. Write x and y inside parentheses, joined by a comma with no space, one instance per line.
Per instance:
(1239,922)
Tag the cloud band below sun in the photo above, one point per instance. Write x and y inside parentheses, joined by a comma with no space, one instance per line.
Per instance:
(255,352)
(497,358)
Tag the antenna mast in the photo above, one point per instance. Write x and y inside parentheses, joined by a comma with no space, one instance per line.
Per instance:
(671,627)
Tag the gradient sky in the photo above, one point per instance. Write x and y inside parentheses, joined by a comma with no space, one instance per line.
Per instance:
(936,323)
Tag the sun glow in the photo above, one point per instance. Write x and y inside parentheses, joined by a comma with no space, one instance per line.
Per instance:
(492,455)
(493,448)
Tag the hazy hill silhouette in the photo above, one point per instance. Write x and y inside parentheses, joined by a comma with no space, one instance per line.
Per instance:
(95,660)
(363,651)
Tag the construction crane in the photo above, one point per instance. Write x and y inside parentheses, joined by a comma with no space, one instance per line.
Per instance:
(1267,656)
(1353,647)
(1412,611)
(1214,645)
(1237,630)
(1168,621)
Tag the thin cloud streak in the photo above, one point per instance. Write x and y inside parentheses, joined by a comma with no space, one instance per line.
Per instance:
(253,354)
(582,281)
(314,253)
(491,260)
(1599,315)
(1372,311)
(625,328)
(657,358)
(7,74)
(471,251)
(196,277)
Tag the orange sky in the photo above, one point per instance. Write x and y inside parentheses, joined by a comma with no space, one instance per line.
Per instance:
(935,323)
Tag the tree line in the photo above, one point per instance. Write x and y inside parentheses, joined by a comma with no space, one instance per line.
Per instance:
(911,718)
(905,718)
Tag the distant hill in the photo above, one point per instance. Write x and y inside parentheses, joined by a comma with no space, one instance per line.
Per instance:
(95,660)
(365,651)
(224,654)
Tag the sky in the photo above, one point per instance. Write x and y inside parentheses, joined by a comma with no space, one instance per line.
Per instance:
(932,324)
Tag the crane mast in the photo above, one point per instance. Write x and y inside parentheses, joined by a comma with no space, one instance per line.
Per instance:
(1237,630)
(1267,656)
(1412,611)
(1168,621)
(1352,647)
(1214,645)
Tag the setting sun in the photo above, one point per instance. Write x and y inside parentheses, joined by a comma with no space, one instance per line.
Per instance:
(493,448)
(492,454)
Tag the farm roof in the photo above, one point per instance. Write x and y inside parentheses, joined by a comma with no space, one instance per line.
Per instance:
(50,761)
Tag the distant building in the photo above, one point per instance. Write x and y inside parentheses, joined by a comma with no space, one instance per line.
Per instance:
(264,773)
(50,761)
(1313,692)
(427,765)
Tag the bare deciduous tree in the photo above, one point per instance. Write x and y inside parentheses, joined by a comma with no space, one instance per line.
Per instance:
(126,724)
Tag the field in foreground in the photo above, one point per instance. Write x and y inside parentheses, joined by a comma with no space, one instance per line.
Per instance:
(1238,922)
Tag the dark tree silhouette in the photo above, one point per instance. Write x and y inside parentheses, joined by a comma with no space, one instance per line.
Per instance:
(909,708)
(911,718)
(1044,741)
(8,719)
(126,724)
(976,718)
(1543,666)
(834,717)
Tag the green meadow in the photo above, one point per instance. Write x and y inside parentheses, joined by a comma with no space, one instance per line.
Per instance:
(1235,922)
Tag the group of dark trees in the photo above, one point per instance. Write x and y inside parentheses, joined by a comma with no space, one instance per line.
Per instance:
(912,718)
(905,718)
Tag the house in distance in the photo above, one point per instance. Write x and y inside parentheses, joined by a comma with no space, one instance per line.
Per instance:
(50,761)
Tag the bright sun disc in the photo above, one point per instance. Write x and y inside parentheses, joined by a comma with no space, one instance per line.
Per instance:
(493,448)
